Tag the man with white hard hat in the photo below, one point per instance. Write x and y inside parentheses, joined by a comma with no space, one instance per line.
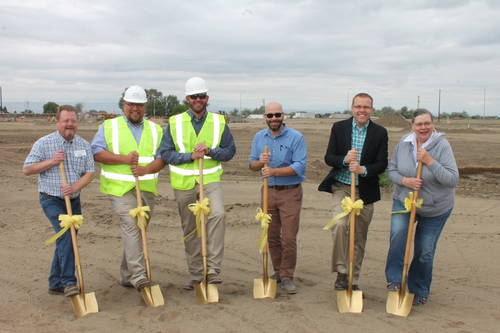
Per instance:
(189,136)
(126,147)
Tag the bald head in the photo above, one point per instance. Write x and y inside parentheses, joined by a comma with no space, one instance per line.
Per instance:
(273,107)
(274,117)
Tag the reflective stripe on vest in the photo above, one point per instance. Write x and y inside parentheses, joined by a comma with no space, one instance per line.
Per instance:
(186,172)
(127,178)
(117,179)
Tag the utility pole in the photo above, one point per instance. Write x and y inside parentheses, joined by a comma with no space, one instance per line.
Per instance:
(439,105)
(484,102)
(1,100)
(240,101)
(418,102)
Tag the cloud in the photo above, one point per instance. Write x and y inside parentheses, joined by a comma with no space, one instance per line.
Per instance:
(308,54)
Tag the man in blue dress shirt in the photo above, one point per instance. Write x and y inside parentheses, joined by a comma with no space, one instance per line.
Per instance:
(286,159)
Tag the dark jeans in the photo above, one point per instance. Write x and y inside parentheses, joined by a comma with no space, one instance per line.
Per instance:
(62,271)
(427,234)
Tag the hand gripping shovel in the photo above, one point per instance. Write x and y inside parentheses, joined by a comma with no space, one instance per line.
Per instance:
(351,300)
(83,303)
(399,302)
(264,287)
(205,292)
(151,294)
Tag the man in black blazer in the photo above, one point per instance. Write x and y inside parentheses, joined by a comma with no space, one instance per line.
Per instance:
(356,145)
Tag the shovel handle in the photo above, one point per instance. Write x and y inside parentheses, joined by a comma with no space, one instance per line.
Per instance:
(202,217)
(143,230)
(352,233)
(74,240)
(411,227)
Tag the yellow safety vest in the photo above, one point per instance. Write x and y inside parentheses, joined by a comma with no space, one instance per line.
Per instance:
(117,179)
(185,176)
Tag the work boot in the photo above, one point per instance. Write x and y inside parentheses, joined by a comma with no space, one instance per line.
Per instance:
(71,290)
(394,286)
(56,291)
(143,283)
(419,300)
(189,285)
(288,286)
(276,277)
(341,282)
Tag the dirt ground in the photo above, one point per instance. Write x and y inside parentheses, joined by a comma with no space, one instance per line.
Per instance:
(465,292)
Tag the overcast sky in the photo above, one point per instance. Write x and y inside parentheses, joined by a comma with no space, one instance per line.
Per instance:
(308,55)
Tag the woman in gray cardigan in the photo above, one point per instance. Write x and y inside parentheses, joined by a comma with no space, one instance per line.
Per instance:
(437,189)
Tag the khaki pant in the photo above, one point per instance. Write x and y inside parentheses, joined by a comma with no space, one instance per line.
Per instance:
(284,207)
(340,233)
(132,268)
(214,225)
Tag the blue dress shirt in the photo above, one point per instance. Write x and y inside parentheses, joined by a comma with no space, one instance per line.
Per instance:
(288,148)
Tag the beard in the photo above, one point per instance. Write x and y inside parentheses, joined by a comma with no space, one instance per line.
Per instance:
(274,125)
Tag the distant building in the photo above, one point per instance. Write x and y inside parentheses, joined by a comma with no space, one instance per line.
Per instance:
(255,116)
(303,115)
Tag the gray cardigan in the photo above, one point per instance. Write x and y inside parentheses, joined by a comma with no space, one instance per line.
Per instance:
(440,178)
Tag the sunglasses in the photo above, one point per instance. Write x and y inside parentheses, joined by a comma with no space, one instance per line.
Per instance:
(271,115)
(198,96)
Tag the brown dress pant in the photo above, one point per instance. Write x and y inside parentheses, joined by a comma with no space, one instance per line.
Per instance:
(284,207)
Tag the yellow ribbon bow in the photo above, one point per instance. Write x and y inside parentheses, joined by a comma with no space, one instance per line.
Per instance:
(408,202)
(264,220)
(140,213)
(198,208)
(66,222)
(347,206)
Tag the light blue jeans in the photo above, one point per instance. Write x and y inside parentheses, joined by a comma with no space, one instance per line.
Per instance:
(427,234)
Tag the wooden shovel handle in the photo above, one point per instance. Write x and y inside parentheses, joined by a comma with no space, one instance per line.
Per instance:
(144,237)
(411,227)
(202,217)
(74,240)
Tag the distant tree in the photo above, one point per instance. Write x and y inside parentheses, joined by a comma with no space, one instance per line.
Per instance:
(179,108)
(171,102)
(50,107)
(156,105)
(79,107)
(27,111)
(234,113)
(4,110)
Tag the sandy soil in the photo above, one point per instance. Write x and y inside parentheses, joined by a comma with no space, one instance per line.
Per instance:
(465,292)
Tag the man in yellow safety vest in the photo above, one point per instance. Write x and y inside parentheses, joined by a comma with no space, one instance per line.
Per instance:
(188,137)
(126,147)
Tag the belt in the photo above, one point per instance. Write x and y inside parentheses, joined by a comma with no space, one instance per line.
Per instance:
(283,187)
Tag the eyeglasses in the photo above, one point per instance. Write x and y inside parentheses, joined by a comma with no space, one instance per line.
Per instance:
(198,96)
(276,115)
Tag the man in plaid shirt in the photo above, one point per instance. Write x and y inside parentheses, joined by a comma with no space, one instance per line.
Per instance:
(356,145)
(44,158)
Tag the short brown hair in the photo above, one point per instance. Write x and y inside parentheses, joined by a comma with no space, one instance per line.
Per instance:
(65,107)
(365,95)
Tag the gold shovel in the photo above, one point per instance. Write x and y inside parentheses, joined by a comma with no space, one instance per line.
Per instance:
(265,287)
(83,303)
(151,294)
(399,302)
(351,300)
(205,292)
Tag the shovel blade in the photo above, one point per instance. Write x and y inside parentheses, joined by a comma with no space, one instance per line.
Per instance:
(352,303)
(399,305)
(83,304)
(206,293)
(152,296)
(263,289)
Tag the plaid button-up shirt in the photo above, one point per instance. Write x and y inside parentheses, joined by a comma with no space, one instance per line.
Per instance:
(358,140)
(78,160)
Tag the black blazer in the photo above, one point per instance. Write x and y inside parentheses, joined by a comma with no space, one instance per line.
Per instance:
(373,157)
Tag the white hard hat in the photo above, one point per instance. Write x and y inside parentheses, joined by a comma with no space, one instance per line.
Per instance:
(135,94)
(196,85)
